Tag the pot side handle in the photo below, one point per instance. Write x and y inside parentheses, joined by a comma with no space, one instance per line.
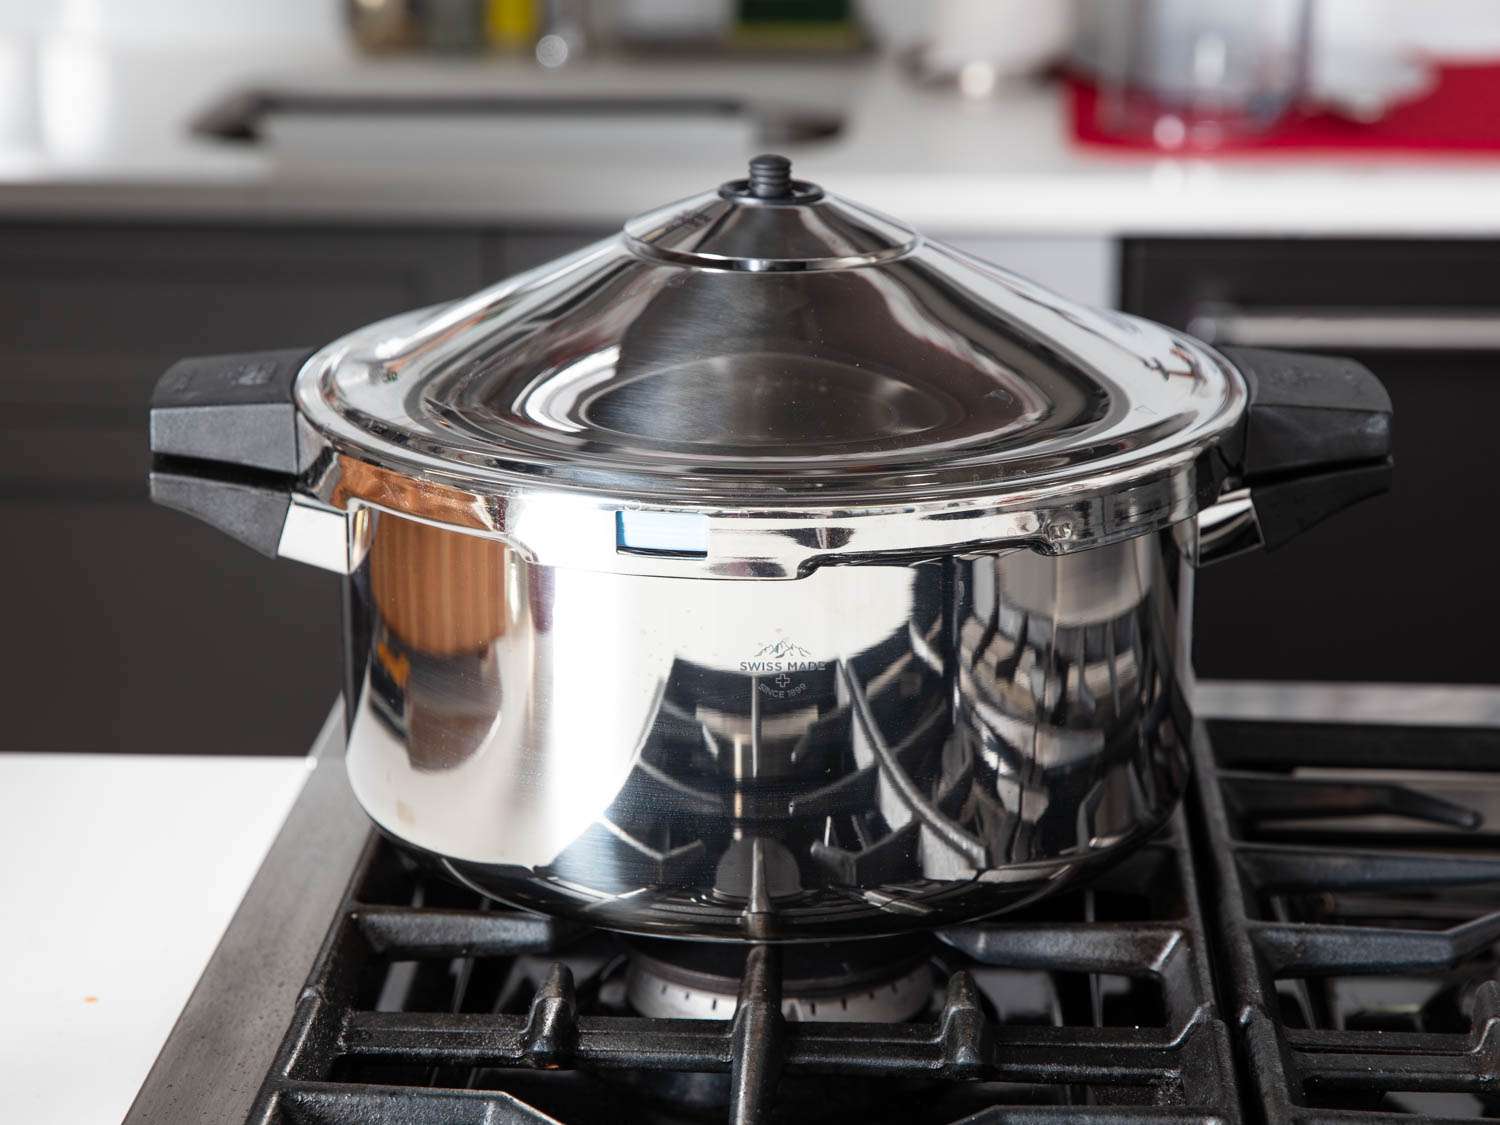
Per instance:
(1315,439)
(229,449)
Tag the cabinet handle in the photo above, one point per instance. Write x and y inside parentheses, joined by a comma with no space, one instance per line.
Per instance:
(1343,330)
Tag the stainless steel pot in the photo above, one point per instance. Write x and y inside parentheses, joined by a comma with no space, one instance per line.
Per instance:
(767,571)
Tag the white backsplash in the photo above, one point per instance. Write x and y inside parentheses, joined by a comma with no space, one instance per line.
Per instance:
(313,24)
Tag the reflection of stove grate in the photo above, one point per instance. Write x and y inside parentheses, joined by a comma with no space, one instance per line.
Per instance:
(426,1005)
(1358,879)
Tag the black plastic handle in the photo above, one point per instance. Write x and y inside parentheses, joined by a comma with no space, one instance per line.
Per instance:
(227,444)
(250,511)
(232,409)
(1315,438)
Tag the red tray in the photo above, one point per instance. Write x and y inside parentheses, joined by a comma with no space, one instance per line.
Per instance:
(1461,114)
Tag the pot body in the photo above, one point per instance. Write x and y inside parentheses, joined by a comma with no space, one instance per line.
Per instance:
(861,751)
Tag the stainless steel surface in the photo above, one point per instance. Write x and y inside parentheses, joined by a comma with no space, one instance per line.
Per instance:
(1395,330)
(766,761)
(799,370)
(565,529)
(226,1039)
(1228,527)
(1067,744)
(316,535)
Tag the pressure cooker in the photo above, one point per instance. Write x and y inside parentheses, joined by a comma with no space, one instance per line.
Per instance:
(766,571)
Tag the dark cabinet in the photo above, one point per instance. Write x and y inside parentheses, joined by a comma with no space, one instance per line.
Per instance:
(129,627)
(1404,587)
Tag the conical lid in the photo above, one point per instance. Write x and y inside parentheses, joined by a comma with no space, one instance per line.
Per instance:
(769,347)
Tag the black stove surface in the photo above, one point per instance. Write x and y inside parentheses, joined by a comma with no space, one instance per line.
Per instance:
(477,1014)
(1356,904)
(1313,938)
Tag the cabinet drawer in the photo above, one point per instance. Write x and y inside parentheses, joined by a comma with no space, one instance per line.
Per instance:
(90,317)
(46,452)
(1402,587)
(133,628)
(1173,280)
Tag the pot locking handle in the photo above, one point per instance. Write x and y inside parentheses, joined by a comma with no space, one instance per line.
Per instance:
(229,449)
(1315,439)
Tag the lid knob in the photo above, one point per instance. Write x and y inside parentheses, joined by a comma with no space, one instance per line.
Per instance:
(770,176)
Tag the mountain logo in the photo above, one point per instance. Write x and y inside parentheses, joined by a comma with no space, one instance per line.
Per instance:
(781,649)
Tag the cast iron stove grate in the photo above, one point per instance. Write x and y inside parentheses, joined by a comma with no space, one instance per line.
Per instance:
(1356,878)
(427,1005)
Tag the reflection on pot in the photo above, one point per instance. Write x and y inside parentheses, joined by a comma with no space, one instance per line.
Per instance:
(1066,684)
(513,714)
(442,606)
(861,751)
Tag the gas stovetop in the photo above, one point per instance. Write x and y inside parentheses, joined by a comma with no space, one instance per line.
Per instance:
(1314,937)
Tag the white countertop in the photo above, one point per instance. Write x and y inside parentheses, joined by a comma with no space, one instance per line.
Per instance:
(120,873)
(107,136)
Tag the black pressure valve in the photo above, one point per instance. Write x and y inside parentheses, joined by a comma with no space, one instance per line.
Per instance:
(770,181)
(770,177)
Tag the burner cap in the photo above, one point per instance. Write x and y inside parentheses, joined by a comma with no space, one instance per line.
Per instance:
(860,982)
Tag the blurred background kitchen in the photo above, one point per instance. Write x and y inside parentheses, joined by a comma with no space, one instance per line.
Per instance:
(186,177)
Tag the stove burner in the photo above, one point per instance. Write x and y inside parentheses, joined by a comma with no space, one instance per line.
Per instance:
(860,982)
